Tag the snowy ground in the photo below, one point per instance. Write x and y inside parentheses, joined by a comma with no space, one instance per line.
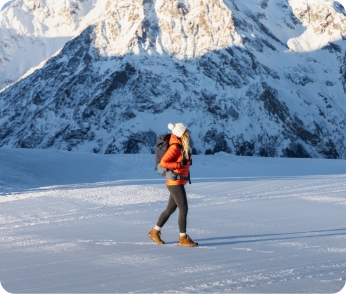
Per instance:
(78,223)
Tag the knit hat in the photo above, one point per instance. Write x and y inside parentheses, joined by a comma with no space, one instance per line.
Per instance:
(177,129)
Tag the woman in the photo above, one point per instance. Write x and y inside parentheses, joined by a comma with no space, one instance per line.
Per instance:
(178,159)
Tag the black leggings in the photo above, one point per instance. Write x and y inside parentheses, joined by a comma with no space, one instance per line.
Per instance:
(177,198)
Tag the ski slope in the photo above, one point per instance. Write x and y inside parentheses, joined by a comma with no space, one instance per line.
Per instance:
(77,223)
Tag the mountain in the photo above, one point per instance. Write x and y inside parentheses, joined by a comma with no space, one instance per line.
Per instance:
(5,5)
(258,79)
(34,30)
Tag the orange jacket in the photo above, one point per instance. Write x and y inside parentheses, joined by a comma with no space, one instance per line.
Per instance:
(171,160)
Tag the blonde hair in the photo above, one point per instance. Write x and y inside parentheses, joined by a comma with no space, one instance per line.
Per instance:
(185,141)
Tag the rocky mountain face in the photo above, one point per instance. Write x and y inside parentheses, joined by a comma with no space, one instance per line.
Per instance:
(259,79)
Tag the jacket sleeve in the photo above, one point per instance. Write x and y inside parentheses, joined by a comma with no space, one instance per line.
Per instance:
(171,158)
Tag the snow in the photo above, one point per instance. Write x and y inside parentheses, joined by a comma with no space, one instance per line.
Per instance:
(310,84)
(2,3)
(317,35)
(32,34)
(77,222)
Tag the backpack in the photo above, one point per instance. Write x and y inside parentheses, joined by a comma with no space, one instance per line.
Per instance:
(162,144)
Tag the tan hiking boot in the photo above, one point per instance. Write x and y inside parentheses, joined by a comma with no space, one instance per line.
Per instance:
(155,236)
(186,241)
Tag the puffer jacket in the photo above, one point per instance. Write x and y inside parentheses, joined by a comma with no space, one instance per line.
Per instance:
(171,160)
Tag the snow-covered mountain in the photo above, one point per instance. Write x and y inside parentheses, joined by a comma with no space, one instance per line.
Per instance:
(264,78)
(4,4)
(33,30)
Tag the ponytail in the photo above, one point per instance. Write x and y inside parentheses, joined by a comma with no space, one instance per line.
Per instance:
(185,141)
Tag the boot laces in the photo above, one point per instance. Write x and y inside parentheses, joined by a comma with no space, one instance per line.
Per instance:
(188,238)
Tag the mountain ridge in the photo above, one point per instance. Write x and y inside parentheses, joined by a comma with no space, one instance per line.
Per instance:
(247,96)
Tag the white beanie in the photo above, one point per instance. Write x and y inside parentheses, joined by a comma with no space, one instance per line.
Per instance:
(177,129)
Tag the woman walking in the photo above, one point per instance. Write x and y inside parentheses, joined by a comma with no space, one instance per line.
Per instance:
(178,159)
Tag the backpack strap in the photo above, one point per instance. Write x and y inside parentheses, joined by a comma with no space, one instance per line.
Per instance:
(175,177)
